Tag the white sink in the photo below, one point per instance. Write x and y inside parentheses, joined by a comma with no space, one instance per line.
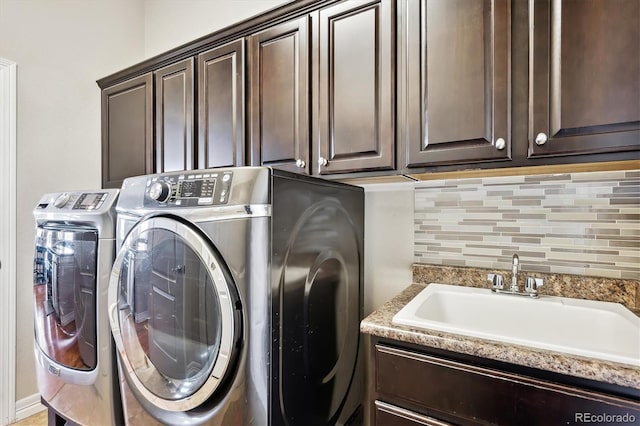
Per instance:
(602,330)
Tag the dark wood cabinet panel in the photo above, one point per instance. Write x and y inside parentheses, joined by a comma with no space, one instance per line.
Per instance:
(356,87)
(221,90)
(279,96)
(174,117)
(127,130)
(584,73)
(457,89)
(424,387)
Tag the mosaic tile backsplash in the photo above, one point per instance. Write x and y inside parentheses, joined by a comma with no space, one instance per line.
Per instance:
(574,223)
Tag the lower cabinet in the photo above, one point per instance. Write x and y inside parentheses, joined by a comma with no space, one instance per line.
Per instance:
(414,388)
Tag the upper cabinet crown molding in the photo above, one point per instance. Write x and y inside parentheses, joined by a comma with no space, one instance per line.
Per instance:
(283,13)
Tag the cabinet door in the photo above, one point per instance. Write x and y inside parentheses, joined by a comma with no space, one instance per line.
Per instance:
(221,78)
(127,130)
(356,88)
(457,58)
(279,96)
(174,117)
(584,77)
(467,394)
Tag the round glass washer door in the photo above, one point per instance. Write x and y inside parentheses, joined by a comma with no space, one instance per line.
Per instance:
(173,314)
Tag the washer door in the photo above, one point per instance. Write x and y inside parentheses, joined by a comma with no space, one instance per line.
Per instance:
(65,295)
(174,315)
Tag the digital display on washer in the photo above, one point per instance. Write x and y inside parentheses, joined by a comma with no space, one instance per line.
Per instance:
(201,188)
(90,201)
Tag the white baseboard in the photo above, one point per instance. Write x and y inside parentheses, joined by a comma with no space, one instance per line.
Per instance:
(28,406)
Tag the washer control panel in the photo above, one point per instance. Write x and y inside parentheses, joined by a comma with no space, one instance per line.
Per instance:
(188,190)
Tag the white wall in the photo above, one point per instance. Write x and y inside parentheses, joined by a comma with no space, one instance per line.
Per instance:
(61,47)
(170,23)
(388,242)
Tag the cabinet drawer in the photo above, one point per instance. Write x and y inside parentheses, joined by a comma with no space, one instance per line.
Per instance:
(469,394)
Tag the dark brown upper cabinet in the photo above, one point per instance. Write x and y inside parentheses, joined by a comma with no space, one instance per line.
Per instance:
(354,44)
(279,96)
(174,145)
(584,77)
(331,88)
(456,62)
(221,91)
(127,130)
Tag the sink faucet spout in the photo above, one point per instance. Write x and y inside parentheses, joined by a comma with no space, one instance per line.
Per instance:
(531,283)
(515,266)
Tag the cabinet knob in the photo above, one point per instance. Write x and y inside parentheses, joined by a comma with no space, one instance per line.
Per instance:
(541,139)
(322,161)
(300,163)
(500,144)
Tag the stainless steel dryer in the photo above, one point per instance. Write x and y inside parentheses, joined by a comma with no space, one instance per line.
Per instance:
(74,252)
(236,298)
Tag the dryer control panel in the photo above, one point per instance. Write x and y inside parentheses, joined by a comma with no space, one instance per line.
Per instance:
(184,189)
(89,201)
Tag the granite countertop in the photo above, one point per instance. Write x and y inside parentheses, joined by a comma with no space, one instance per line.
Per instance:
(379,324)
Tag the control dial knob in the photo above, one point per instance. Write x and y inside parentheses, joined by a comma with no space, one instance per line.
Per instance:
(61,200)
(160,191)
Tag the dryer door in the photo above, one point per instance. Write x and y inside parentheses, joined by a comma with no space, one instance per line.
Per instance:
(175,314)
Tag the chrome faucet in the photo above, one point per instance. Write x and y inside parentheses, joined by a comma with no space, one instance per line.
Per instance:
(531,284)
(515,266)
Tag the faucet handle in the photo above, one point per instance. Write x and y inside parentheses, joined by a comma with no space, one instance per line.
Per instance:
(496,280)
(531,284)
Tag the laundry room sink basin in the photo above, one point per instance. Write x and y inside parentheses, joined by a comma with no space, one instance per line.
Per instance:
(601,330)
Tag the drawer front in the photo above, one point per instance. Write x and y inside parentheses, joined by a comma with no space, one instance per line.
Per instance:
(451,390)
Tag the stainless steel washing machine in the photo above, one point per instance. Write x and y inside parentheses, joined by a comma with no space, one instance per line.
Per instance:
(236,298)
(74,252)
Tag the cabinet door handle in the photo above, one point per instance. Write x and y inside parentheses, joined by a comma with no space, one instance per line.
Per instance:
(500,144)
(300,163)
(541,139)
(322,162)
